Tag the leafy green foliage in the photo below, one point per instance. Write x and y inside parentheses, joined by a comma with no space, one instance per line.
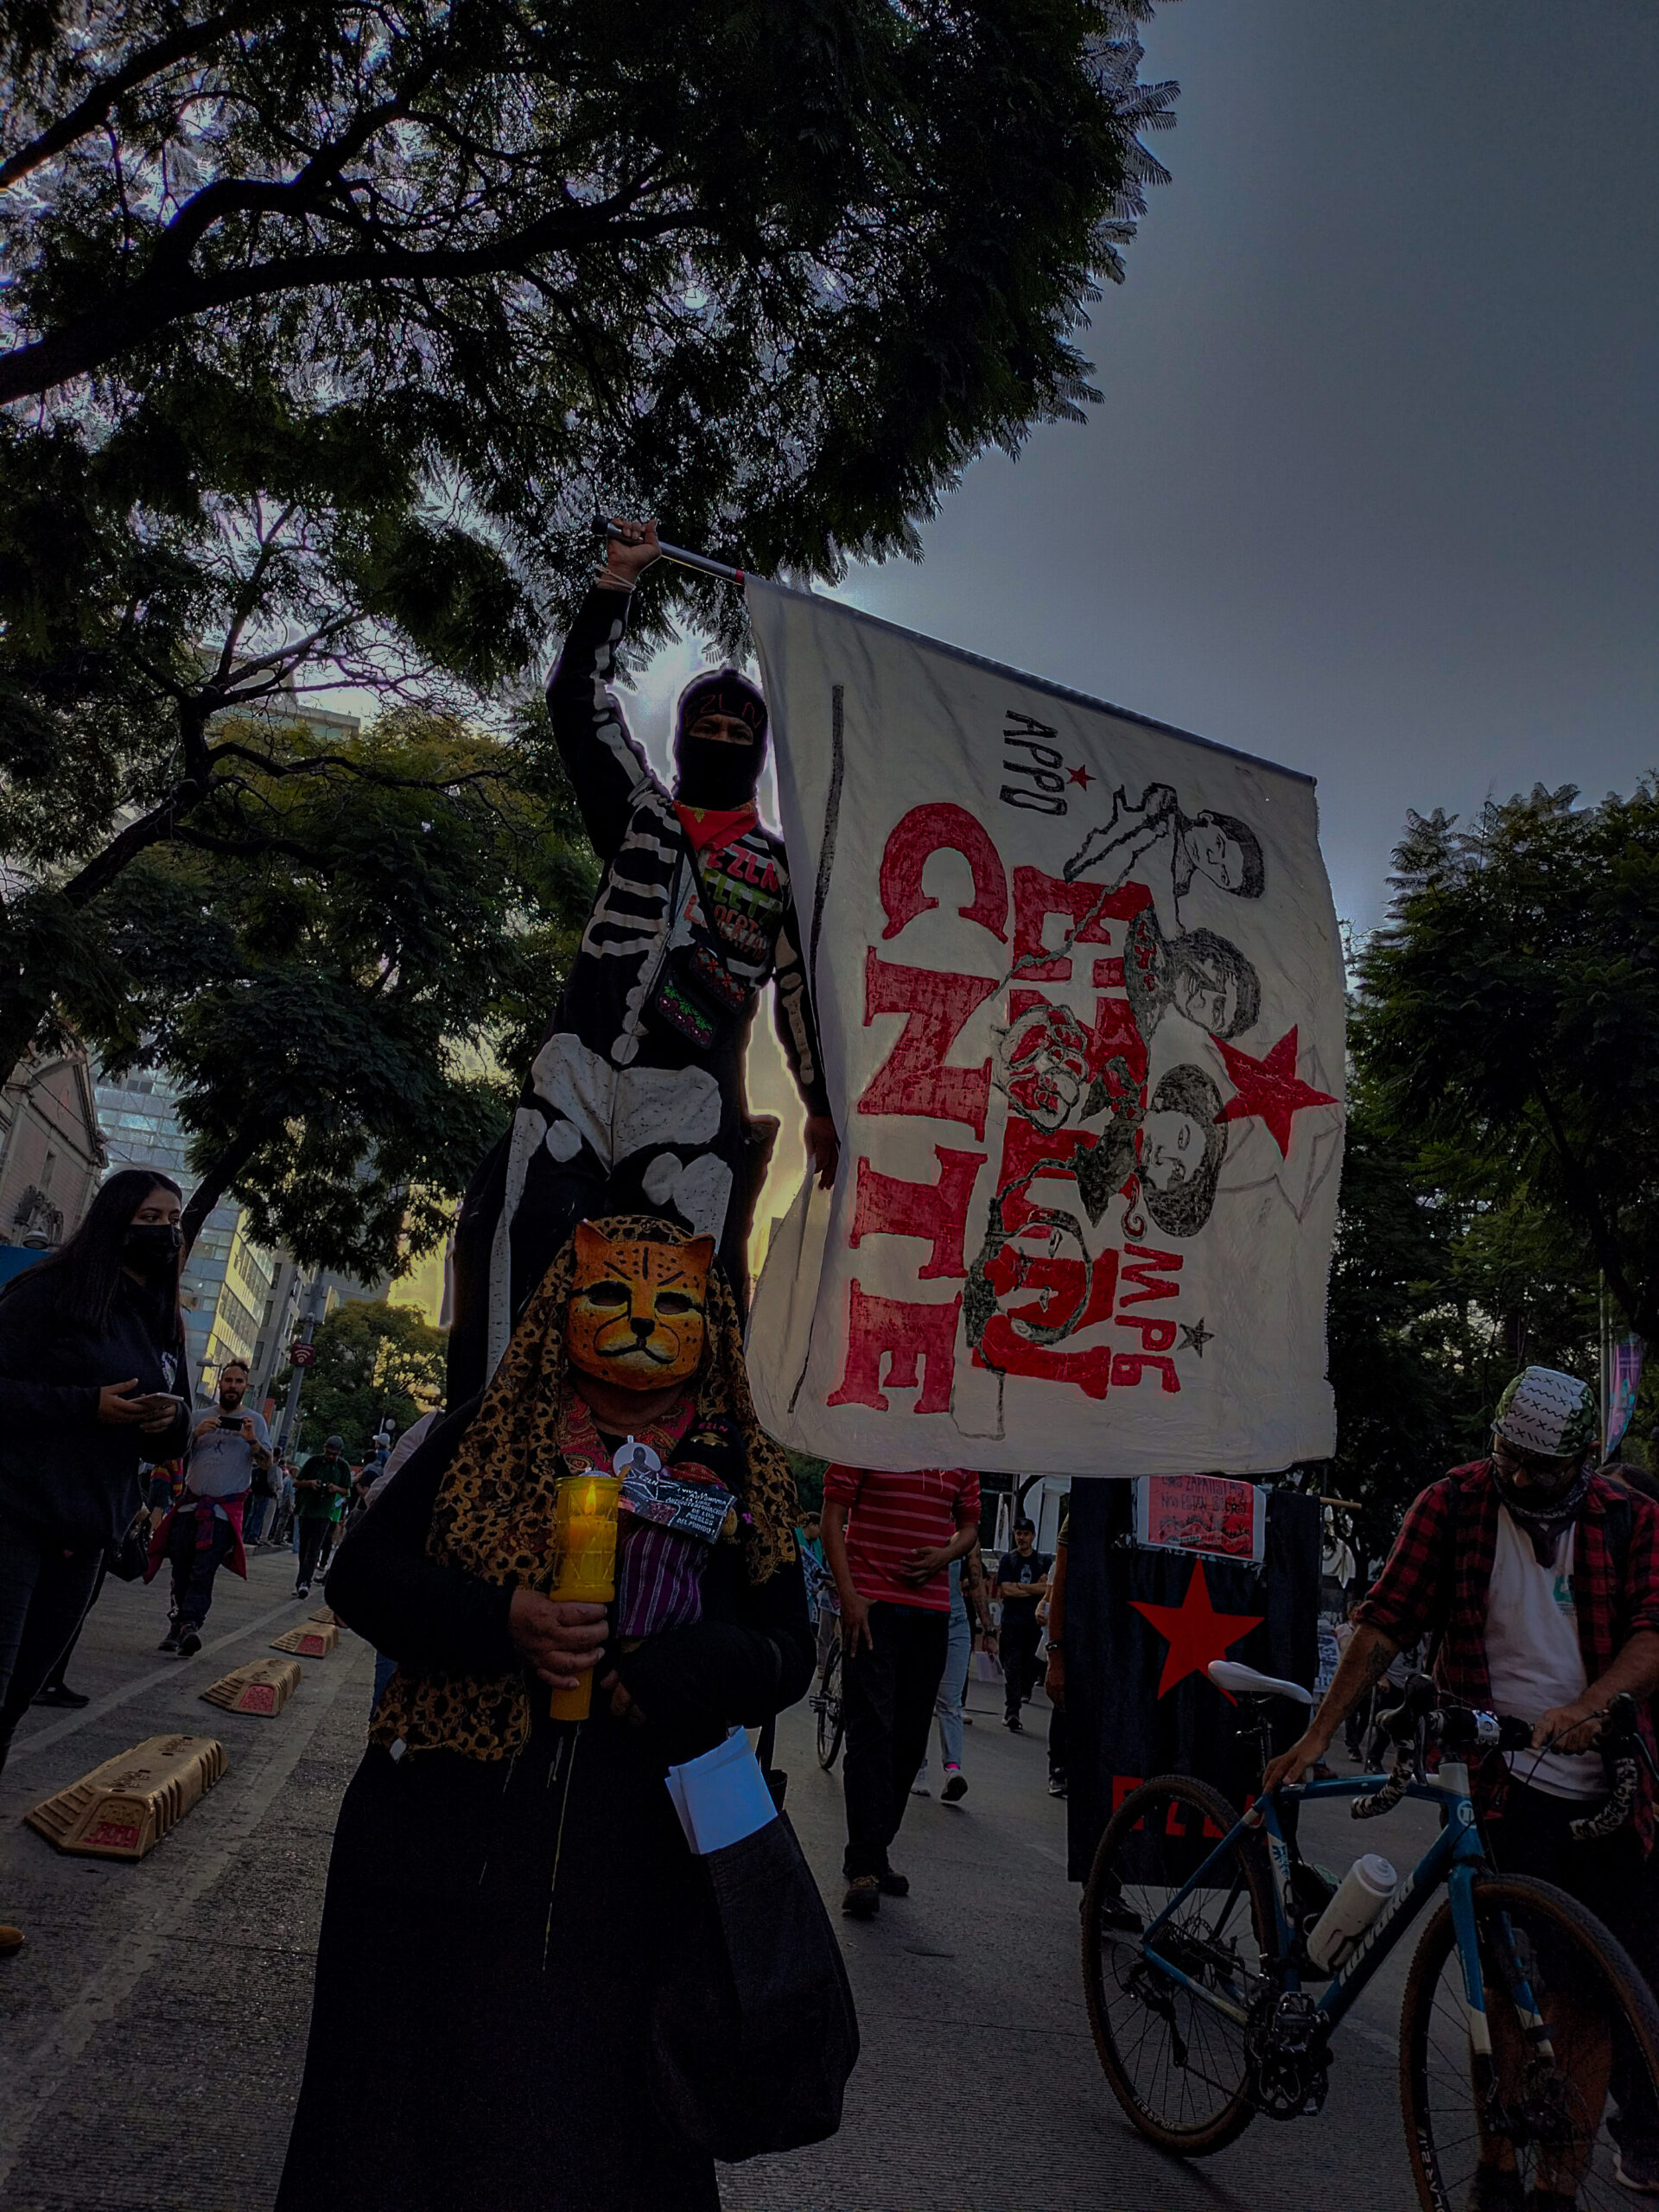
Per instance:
(773,271)
(1503,1149)
(375,1361)
(333,979)
(1510,1015)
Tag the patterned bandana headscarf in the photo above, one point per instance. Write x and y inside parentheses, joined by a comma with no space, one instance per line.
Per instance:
(493,1517)
(1547,1415)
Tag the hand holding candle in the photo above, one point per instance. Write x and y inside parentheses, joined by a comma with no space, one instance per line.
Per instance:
(561,1643)
(585,1535)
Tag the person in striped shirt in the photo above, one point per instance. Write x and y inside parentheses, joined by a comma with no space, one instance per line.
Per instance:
(889,1538)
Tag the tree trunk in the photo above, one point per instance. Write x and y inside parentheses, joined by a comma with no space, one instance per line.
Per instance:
(216,1178)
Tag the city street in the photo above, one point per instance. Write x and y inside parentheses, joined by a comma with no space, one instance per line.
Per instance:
(154,2024)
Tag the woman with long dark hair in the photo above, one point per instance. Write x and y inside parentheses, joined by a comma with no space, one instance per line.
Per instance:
(92,1380)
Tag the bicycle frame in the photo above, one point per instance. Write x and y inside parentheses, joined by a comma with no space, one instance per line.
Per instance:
(1455,1857)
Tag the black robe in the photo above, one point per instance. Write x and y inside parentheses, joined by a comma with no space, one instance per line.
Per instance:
(623,1112)
(479,2027)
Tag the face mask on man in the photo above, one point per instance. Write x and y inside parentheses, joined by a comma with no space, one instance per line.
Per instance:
(151,1249)
(712,772)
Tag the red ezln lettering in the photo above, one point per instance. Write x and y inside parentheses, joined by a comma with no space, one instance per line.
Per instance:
(887,1206)
(917,1343)
(1123,1785)
(929,830)
(914,1078)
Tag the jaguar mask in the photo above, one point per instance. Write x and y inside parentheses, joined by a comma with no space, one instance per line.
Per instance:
(636,1312)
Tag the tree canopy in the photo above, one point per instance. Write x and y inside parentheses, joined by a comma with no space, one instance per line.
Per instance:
(376,1361)
(770,269)
(341,979)
(1503,1153)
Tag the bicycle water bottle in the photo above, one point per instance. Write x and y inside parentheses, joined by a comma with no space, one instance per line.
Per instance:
(1364,1890)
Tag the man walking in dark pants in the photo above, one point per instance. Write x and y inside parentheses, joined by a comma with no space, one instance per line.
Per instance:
(320,1489)
(888,1540)
(228,1449)
(1021,1580)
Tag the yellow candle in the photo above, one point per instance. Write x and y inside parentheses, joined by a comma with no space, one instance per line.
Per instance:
(585,1533)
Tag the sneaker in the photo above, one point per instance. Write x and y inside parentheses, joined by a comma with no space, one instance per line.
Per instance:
(301,1589)
(863,1897)
(956,1787)
(1637,2166)
(189,1644)
(893,1886)
(59,1693)
(1014,1725)
(920,1790)
(1057,1785)
(1495,2190)
(169,1642)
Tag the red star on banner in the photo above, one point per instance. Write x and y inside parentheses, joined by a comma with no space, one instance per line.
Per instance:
(1195,1632)
(1269,1088)
(1081,778)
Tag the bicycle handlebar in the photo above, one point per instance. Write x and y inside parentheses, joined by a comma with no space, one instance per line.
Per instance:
(1461,1729)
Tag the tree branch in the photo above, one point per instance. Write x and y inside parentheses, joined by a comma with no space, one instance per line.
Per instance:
(122,320)
(89,112)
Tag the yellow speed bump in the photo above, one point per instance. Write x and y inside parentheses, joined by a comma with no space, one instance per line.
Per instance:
(323,1613)
(263,1686)
(312,1640)
(123,1808)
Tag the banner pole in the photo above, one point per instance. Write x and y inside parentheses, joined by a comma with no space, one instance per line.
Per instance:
(678,553)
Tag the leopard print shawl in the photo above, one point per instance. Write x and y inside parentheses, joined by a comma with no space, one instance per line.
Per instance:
(493,1517)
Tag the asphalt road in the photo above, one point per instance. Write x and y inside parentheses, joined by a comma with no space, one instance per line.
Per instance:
(152,2030)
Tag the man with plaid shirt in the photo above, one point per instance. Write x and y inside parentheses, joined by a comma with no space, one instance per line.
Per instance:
(1540,1579)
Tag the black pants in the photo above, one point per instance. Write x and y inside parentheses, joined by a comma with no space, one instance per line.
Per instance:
(194,1567)
(44,1594)
(1610,1878)
(1018,1640)
(888,1689)
(314,1534)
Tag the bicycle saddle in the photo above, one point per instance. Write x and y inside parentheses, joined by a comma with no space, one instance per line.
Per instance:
(1244,1681)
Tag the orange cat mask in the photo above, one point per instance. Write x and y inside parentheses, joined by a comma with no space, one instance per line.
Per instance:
(636,1312)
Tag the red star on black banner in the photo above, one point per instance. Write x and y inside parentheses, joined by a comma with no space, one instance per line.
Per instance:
(1270,1088)
(1195,1632)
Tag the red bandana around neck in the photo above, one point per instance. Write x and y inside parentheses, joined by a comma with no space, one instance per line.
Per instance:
(711,825)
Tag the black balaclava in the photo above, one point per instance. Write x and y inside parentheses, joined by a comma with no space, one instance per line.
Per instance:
(711,775)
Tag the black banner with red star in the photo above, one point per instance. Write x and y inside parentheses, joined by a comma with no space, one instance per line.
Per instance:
(1141,1626)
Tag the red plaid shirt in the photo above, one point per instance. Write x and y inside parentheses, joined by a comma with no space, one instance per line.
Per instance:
(1441,1571)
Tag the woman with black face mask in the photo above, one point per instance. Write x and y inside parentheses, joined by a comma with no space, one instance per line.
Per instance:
(93,1381)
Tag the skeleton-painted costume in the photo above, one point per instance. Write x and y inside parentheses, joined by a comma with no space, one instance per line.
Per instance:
(635,1101)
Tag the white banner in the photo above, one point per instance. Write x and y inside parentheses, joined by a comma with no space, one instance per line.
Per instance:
(1080,992)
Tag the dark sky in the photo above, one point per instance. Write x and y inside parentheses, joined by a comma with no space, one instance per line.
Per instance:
(1375,487)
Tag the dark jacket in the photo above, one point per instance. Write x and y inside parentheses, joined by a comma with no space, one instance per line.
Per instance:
(63,1473)
(750,1656)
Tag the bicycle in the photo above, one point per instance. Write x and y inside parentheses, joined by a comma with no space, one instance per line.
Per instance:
(1195,1955)
(828,1708)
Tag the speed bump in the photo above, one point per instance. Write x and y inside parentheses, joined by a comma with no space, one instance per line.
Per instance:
(323,1613)
(263,1686)
(123,1808)
(311,1640)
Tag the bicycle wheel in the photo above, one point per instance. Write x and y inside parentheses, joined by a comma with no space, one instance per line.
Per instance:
(1543,2116)
(831,1720)
(1178,2068)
